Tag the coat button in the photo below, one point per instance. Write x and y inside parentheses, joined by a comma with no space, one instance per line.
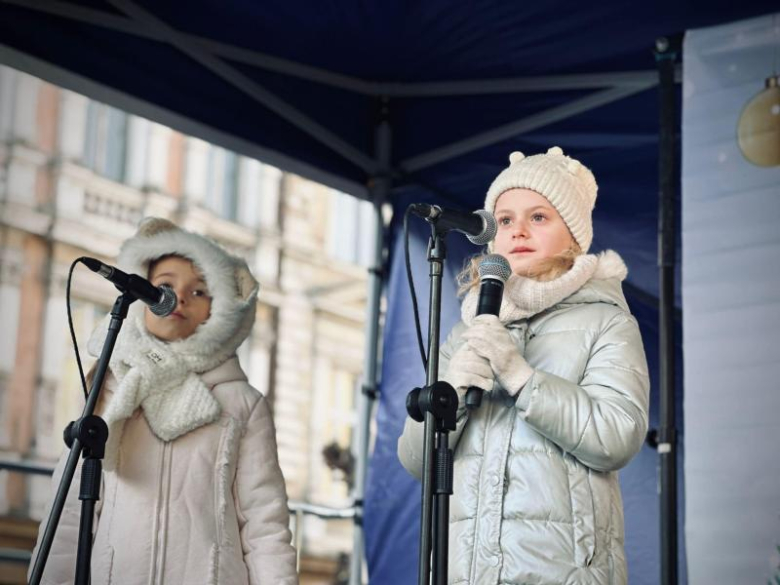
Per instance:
(496,560)
(495,479)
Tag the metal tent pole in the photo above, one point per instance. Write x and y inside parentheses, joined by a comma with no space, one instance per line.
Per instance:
(380,190)
(666,53)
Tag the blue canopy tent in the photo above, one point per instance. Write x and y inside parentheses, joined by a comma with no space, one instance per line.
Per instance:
(398,102)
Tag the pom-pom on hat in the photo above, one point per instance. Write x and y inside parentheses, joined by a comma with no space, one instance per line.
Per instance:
(565,182)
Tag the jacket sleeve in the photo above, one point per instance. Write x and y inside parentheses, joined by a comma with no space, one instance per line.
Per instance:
(261,504)
(602,421)
(410,443)
(61,563)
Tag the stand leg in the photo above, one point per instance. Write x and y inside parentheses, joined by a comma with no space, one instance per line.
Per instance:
(443,491)
(91,472)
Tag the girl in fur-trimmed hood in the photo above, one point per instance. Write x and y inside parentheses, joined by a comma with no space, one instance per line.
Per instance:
(192,490)
(536,493)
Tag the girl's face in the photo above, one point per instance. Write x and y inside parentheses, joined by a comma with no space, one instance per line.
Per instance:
(529,230)
(194,302)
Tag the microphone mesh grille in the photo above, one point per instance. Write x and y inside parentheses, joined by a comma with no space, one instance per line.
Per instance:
(491,228)
(495,266)
(167,303)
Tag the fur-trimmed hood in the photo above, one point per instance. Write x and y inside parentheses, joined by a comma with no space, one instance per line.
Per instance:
(163,378)
(231,285)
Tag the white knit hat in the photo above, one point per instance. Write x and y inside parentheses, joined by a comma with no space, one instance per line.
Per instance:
(565,182)
(232,287)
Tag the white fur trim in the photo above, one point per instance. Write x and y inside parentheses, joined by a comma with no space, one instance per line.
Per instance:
(610,265)
(232,288)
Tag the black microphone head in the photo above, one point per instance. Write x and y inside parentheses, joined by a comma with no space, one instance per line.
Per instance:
(167,303)
(490,230)
(495,266)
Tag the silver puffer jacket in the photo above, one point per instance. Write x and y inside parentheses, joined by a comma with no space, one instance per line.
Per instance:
(537,499)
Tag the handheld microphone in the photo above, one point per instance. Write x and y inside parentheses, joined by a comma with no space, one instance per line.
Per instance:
(162,300)
(494,271)
(480,226)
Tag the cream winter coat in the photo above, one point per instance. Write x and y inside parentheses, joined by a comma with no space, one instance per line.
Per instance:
(536,497)
(209,507)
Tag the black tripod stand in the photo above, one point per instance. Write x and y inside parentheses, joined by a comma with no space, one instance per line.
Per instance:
(436,404)
(88,435)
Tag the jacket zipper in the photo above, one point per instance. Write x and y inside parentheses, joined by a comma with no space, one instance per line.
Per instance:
(158,550)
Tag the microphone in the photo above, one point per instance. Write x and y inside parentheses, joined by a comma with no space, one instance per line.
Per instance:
(494,271)
(480,226)
(161,300)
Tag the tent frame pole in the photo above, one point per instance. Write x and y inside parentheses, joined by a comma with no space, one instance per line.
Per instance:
(666,53)
(379,190)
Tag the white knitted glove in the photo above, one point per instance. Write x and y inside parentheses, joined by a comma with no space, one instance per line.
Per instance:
(467,369)
(491,340)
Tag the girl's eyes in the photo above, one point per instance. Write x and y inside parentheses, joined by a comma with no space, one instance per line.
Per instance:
(195,292)
(536,217)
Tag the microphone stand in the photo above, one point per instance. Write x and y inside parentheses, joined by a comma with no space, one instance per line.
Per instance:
(436,405)
(88,434)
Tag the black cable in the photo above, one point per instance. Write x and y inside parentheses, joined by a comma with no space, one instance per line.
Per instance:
(410,280)
(72,331)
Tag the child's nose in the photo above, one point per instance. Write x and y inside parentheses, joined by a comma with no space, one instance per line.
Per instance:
(521,229)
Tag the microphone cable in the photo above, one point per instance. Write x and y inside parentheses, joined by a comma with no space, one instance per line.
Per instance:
(410,280)
(72,330)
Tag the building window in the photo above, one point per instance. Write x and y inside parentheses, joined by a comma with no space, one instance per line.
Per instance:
(7,91)
(230,187)
(222,194)
(105,146)
(351,229)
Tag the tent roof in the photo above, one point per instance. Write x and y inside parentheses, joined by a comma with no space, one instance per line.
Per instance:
(302,82)
(303,85)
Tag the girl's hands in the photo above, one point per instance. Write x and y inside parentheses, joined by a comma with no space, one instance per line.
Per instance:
(490,340)
(467,369)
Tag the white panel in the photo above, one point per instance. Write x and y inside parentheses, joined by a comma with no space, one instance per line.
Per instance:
(731,312)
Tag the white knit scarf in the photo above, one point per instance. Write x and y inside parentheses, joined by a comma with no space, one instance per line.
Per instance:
(525,297)
(161,379)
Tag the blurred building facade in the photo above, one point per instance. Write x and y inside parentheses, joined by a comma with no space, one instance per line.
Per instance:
(76,176)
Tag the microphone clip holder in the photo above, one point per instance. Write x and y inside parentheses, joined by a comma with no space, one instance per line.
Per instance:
(440,399)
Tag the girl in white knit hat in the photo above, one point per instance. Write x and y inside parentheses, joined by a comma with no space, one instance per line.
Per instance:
(536,495)
(192,490)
